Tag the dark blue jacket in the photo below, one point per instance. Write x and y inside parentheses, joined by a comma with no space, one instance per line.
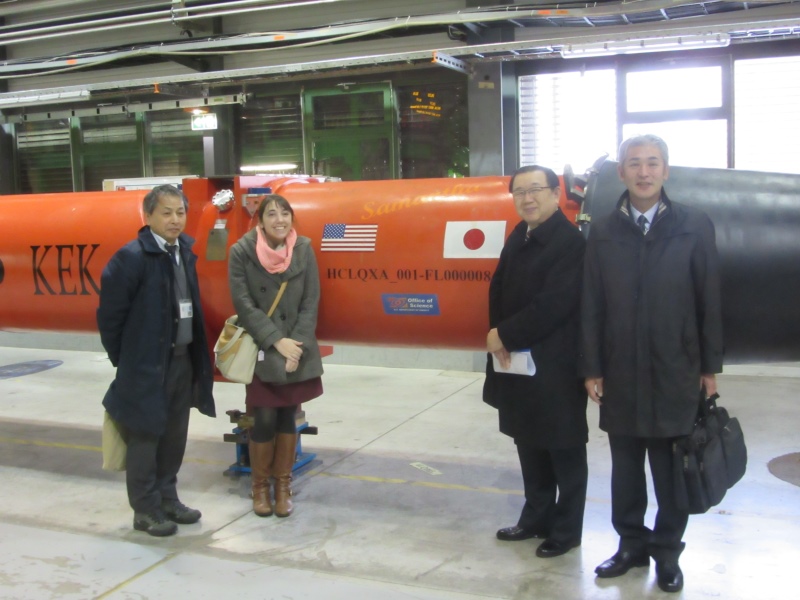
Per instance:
(137,319)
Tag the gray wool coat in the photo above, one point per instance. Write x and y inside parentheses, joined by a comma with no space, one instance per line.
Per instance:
(254,289)
(651,318)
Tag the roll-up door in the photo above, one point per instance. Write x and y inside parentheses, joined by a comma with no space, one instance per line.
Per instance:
(43,151)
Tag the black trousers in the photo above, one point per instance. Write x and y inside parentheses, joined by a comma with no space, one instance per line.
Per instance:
(629,497)
(154,461)
(555,491)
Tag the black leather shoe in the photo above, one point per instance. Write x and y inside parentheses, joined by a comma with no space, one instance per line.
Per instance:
(154,523)
(178,512)
(621,563)
(516,534)
(669,576)
(550,548)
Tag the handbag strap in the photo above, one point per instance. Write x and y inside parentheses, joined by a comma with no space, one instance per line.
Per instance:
(707,406)
(277,299)
(237,333)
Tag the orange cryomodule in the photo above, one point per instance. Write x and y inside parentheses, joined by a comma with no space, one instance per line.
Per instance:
(401,262)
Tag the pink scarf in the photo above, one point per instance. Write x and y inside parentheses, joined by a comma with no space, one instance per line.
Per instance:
(275,261)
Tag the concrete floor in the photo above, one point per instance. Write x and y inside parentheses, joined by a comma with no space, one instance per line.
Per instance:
(410,482)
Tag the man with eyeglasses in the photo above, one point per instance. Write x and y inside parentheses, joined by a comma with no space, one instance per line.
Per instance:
(534,299)
(651,339)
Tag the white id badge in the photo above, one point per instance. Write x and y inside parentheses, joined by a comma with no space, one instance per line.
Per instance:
(186,309)
(260,355)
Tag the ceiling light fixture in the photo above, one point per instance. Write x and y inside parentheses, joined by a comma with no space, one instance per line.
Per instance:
(8,100)
(270,168)
(660,44)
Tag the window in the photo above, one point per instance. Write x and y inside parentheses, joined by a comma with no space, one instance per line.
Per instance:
(767,115)
(684,105)
(567,118)
(674,89)
(691,143)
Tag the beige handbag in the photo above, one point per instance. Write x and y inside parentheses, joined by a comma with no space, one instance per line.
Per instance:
(115,447)
(235,351)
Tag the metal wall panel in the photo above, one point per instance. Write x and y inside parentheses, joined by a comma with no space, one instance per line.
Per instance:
(175,148)
(488,133)
(271,132)
(43,150)
(110,147)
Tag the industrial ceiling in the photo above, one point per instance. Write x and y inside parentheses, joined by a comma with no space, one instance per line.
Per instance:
(58,51)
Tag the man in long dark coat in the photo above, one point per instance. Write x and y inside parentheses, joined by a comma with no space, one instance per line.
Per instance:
(652,338)
(151,325)
(534,299)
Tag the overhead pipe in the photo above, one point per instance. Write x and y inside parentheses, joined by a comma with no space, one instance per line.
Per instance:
(20,7)
(491,14)
(46,66)
(143,19)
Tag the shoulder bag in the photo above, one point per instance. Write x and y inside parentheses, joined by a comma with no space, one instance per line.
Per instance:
(115,445)
(235,352)
(710,460)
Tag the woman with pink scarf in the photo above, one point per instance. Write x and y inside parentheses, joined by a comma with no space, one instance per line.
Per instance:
(289,368)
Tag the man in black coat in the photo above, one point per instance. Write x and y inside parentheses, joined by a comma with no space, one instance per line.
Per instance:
(534,299)
(651,339)
(151,325)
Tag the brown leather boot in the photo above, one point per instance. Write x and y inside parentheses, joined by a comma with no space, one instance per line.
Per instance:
(262,455)
(285,450)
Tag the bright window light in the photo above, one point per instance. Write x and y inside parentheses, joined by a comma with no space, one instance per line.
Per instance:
(691,143)
(556,128)
(767,93)
(674,89)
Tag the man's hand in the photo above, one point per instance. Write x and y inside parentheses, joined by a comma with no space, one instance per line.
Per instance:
(493,342)
(709,381)
(594,387)
(503,357)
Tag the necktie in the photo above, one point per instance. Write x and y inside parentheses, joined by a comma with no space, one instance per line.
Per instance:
(643,223)
(173,252)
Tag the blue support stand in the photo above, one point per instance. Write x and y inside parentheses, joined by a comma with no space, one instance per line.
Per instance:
(239,436)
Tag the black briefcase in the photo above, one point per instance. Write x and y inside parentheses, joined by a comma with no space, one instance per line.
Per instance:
(710,460)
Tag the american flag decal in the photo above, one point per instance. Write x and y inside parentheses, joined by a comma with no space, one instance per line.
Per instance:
(341,237)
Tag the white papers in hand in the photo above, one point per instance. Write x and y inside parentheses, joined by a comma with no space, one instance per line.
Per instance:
(521,364)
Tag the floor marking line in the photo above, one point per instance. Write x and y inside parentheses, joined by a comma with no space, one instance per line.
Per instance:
(428,484)
(22,442)
(138,575)
(41,444)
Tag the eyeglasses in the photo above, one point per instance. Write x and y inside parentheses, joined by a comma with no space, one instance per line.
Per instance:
(534,191)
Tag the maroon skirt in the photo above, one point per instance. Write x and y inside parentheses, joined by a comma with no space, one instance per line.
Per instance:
(271,395)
